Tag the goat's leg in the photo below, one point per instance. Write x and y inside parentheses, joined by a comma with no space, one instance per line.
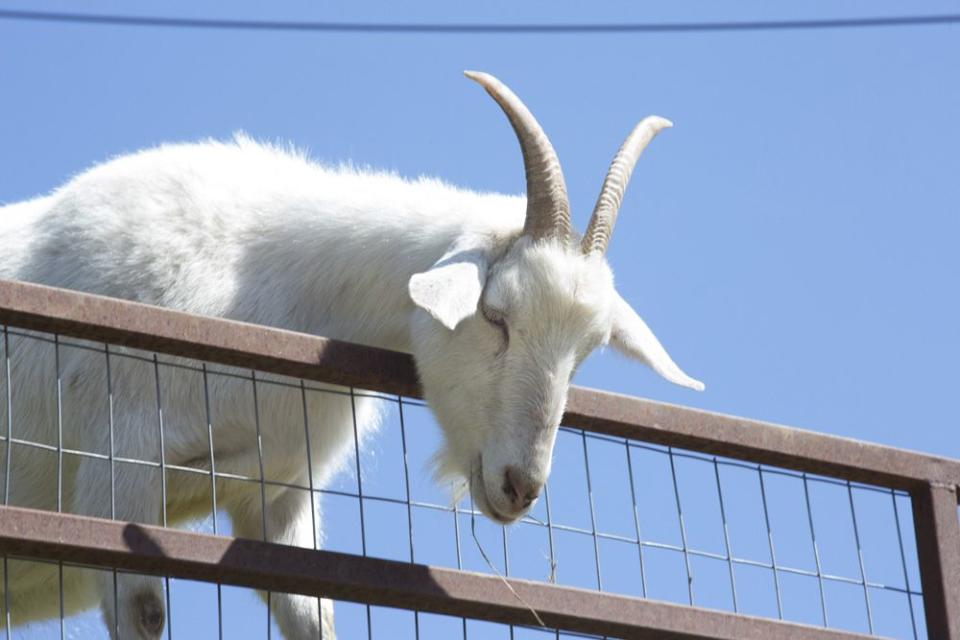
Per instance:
(288,521)
(132,605)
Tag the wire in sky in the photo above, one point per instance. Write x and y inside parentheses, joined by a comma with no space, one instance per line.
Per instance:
(440,28)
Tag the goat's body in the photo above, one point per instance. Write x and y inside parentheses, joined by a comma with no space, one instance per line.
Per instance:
(239,231)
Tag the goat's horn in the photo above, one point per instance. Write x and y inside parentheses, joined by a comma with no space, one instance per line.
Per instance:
(598,232)
(548,209)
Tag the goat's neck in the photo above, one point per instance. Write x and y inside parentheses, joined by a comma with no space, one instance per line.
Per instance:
(350,285)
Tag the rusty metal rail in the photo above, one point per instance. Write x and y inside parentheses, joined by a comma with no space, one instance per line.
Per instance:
(931,481)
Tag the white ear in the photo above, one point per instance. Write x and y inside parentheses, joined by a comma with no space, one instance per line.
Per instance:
(450,290)
(632,337)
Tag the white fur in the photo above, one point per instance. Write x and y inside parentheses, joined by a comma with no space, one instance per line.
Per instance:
(259,234)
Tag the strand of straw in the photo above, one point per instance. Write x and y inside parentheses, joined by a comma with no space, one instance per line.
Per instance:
(473,531)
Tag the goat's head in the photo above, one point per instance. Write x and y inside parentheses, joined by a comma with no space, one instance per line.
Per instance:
(502,324)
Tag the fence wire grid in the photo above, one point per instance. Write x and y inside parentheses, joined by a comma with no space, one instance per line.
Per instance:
(617,515)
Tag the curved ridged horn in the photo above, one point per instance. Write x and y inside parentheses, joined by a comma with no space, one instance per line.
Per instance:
(548,209)
(598,232)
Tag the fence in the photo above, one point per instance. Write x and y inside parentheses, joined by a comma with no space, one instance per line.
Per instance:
(629,548)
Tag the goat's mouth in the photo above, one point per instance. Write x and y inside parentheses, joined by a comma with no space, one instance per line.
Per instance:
(478,491)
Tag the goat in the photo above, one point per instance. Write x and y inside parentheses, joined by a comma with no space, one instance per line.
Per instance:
(495,296)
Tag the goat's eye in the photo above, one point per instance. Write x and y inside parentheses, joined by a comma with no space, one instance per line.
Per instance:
(497,319)
(492,315)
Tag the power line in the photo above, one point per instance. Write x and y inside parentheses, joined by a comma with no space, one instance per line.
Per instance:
(439,28)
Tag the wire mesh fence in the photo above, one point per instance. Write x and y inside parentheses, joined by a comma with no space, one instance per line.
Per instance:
(100,430)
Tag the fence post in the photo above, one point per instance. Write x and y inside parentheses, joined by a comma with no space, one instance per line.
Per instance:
(938,548)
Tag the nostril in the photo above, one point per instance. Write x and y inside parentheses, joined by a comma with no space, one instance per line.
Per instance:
(508,486)
(519,488)
(151,613)
(153,621)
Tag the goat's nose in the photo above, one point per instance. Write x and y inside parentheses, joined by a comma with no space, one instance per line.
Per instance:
(150,608)
(520,488)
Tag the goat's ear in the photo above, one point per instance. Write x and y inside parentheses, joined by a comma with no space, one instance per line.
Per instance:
(632,337)
(450,289)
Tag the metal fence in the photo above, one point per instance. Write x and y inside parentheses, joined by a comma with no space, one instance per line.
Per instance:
(658,521)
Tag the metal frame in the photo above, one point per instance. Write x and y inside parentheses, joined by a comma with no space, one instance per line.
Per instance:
(938,548)
(931,481)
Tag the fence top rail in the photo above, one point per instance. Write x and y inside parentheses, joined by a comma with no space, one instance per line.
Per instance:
(130,324)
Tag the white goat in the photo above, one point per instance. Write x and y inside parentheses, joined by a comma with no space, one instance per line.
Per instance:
(494,295)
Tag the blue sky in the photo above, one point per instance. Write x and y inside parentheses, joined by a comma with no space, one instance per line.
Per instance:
(792,240)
